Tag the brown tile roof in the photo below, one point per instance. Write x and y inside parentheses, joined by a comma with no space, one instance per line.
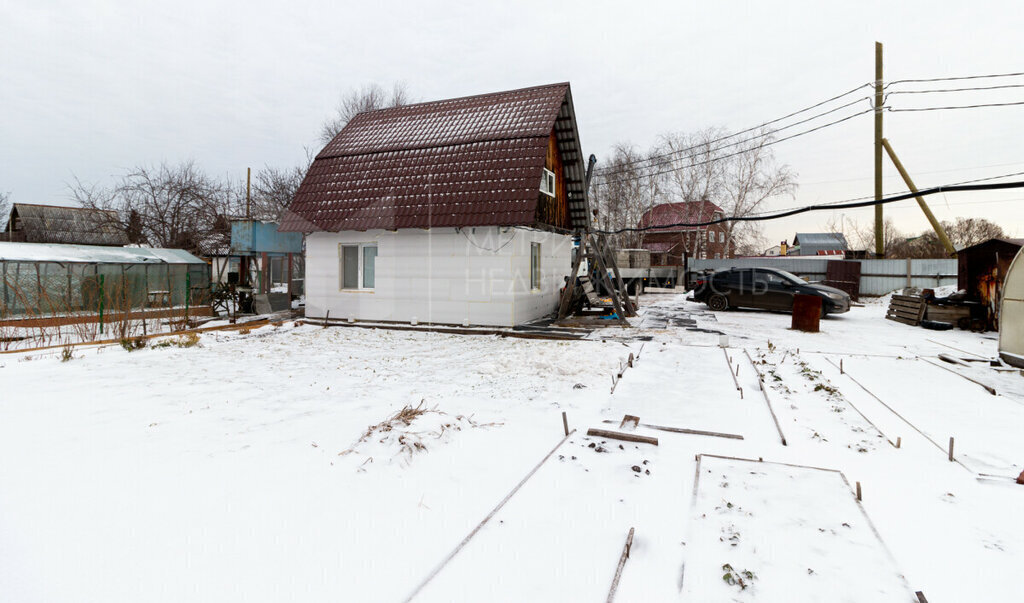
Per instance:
(661,217)
(473,161)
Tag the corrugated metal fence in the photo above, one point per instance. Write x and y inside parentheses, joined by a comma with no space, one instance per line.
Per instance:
(877,277)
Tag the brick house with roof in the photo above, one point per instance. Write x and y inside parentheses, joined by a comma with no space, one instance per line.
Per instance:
(670,244)
(457,211)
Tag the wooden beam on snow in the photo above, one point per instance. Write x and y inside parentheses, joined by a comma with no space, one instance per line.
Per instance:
(625,437)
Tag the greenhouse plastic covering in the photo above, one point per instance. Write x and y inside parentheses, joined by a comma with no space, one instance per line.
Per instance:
(43,279)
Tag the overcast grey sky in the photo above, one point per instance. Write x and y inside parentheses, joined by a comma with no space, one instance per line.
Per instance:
(88,88)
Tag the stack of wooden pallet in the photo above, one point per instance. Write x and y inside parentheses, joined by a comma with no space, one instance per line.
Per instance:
(908,309)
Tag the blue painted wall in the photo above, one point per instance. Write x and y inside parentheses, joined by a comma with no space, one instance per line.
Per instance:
(253,237)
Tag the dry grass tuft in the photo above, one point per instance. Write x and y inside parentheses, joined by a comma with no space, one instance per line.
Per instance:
(396,428)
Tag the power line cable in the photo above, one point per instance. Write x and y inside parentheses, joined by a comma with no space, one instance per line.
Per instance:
(902,192)
(759,126)
(970,89)
(613,171)
(826,207)
(952,79)
(766,144)
(947,108)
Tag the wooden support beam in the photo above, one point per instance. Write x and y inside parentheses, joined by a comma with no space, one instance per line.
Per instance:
(603,269)
(625,437)
(683,430)
(622,563)
(764,392)
(480,525)
(606,250)
(987,388)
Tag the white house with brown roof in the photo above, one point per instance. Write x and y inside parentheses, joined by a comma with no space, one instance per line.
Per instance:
(455,212)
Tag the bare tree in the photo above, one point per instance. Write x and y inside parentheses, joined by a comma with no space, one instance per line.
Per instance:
(862,236)
(962,232)
(359,100)
(174,206)
(965,232)
(751,177)
(694,173)
(273,189)
(740,175)
(626,188)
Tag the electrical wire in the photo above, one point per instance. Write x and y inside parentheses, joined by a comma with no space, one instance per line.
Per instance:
(613,171)
(898,110)
(902,192)
(952,79)
(500,247)
(759,126)
(938,90)
(741,152)
(828,207)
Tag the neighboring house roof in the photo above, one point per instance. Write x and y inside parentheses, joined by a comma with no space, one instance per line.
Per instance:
(820,240)
(662,216)
(473,161)
(32,223)
(997,241)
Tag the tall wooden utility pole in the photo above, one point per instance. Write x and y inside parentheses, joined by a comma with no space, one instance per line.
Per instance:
(879,101)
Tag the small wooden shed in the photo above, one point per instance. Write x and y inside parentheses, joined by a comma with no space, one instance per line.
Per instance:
(982,269)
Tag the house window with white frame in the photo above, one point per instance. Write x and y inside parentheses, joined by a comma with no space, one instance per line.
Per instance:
(721,236)
(711,236)
(357,265)
(535,266)
(547,183)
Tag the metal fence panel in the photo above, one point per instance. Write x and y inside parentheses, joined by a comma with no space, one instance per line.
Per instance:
(878,277)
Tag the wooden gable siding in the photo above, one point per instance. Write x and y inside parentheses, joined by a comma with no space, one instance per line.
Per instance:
(554,212)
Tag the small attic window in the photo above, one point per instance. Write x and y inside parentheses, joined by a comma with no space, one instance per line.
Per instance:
(547,183)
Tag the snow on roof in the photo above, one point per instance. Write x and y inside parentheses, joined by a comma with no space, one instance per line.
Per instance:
(92,254)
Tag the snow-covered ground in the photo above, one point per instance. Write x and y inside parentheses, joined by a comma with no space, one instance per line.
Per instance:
(261,466)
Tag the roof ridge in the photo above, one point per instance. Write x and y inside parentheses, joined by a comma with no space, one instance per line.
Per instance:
(462,98)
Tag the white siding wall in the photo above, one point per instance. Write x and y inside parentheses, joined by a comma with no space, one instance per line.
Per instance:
(441,276)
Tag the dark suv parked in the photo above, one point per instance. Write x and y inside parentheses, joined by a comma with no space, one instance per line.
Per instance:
(766,288)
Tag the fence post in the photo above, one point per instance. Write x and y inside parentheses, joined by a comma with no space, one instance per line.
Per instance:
(188,292)
(910,272)
(101,304)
